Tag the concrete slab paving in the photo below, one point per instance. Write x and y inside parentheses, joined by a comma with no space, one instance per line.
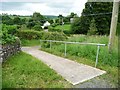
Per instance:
(70,70)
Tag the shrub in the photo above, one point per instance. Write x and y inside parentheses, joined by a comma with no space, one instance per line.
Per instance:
(7,34)
(37,27)
(9,28)
(53,36)
(93,29)
(52,29)
(29,34)
(54,24)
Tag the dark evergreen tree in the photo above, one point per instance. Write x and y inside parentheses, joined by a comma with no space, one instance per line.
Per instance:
(101,11)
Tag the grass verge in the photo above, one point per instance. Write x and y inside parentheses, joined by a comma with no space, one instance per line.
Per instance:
(87,54)
(25,71)
(32,42)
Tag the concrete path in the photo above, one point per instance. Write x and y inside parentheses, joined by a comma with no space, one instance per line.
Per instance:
(72,71)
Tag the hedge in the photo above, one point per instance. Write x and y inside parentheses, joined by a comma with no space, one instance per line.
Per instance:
(31,34)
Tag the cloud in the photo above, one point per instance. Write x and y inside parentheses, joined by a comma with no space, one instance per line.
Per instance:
(45,7)
(78,7)
(11,6)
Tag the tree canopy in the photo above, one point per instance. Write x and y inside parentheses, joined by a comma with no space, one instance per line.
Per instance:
(101,12)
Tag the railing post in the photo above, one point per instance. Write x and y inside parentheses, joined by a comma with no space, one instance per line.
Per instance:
(98,48)
(50,44)
(40,44)
(65,48)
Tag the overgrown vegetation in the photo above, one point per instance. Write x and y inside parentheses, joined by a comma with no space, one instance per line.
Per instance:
(92,29)
(89,52)
(7,34)
(25,71)
(32,34)
(86,54)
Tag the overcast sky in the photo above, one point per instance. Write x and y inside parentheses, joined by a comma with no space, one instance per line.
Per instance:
(45,7)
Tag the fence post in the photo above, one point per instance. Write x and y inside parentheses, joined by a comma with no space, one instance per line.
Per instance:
(65,48)
(50,44)
(40,44)
(98,48)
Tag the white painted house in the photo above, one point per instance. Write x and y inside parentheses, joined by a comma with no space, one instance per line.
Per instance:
(46,24)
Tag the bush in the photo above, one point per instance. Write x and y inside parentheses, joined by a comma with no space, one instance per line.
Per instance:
(92,29)
(52,29)
(10,29)
(29,34)
(53,36)
(54,24)
(7,34)
(37,27)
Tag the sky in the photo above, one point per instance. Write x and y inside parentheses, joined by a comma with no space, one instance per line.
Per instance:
(45,7)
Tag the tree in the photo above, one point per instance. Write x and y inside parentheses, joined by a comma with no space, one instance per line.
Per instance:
(38,18)
(60,19)
(77,26)
(17,20)
(37,27)
(30,23)
(6,19)
(101,13)
(92,28)
(72,15)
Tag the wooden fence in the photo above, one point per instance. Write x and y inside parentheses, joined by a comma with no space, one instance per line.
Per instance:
(8,50)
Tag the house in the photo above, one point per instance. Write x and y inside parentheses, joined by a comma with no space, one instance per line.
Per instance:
(71,20)
(46,24)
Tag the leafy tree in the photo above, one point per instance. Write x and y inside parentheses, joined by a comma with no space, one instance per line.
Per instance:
(101,13)
(8,34)
(37,27)
(92,28)
(23,21)
(77,25)
(6,19)
(72,15)
(38,18)
(66,19)
(17,20)
(30,23)
(60,19)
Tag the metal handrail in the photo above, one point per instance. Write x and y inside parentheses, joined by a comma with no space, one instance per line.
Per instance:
(65,42)
(96,44)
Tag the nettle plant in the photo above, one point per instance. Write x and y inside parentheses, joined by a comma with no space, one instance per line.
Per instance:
(7,34)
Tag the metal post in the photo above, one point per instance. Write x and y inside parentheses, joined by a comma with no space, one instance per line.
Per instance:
(50,44)
(65,48)
(40,44)
(98,48)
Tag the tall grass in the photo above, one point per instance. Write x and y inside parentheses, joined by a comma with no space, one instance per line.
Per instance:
(24,71)
(89,52)
(86,54)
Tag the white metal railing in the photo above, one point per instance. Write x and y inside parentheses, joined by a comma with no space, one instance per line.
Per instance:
(65,42)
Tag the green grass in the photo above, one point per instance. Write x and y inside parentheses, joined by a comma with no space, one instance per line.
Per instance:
(30,42)
(65,27)
(86,54)
(25,71)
